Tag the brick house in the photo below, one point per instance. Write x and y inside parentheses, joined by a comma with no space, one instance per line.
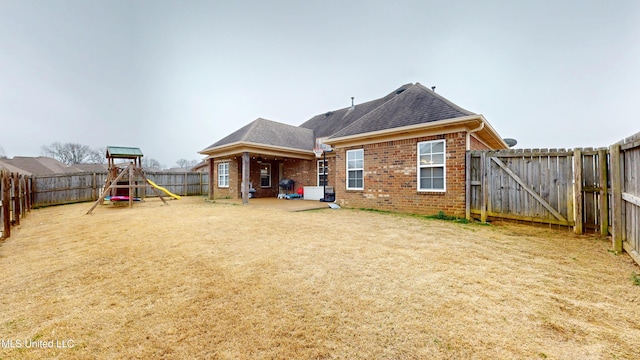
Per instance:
(403,152)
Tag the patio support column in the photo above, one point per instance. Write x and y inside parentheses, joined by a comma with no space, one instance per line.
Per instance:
(212,178)
(245,178)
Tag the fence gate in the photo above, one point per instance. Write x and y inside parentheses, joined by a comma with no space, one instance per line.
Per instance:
(522,184)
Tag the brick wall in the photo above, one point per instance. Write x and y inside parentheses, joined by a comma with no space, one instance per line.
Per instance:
(475,144)
(390,178)
(233,191)
(303,172)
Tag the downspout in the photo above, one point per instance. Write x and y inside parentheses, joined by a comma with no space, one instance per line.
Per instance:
(471,132)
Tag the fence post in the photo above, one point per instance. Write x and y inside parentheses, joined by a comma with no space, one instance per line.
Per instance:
(615,161)
(577,190)
(23,203)
(28,194)
(6,204)
(94,187)
(467,190)
(34,190)
(483,182)
(15,183)
(604,192)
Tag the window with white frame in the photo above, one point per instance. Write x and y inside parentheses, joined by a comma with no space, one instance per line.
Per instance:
(223,174)
(322,172)
(431,166)
(265,175)
(355,169)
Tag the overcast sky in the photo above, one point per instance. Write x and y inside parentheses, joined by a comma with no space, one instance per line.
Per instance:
(172,77)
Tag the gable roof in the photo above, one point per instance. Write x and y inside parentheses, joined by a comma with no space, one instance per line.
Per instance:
(268,132)
(411,107)
(37,165)
(5,164)
(331,122)
(416,105)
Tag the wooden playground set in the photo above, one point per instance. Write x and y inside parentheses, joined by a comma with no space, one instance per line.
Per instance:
(126,177)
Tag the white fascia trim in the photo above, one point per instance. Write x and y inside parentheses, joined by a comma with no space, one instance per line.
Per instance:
(243,146)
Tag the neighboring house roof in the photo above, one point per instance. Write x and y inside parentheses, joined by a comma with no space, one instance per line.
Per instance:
(7,165)
(415,105)
(38,165)
(268,132)
(123,152)
(92,167)
(177,170)
(201,166)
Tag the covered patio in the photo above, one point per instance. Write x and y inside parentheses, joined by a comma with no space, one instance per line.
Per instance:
(277,204)
(252,161)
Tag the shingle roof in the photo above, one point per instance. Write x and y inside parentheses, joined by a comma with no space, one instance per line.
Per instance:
(92,167)
(5,163)
(415,105)
(38,165)
(267,132)
(410,104)
(327,124)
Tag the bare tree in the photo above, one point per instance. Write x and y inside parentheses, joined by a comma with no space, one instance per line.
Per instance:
(3,155)
(186,164)
(150,163)
(98,156)
(68,153)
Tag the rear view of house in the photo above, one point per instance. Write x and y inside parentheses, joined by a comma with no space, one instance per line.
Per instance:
(402,152)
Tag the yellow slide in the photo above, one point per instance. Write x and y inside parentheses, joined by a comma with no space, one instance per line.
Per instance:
(177,197)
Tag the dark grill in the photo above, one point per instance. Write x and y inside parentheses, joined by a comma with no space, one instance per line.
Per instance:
(286,185)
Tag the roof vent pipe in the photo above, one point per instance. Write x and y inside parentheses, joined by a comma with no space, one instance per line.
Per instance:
(433,88)
(352,105)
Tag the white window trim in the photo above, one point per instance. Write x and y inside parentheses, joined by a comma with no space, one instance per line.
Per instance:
(325,163)
(443,165)
(265,186)
(225,165)
(356,169)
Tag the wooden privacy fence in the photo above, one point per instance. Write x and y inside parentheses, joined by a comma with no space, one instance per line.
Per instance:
(189,183)
(587,189)
(15,200)
(540,185)
(625,195)
(57,189)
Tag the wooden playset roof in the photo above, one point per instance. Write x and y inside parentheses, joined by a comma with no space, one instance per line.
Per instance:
(124,152)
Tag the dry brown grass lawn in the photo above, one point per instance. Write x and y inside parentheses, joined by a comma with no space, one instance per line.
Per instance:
(206,280)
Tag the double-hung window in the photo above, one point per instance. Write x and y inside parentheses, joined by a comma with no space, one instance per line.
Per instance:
(223,174)
(322,172)
(431,166)
(355,169)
